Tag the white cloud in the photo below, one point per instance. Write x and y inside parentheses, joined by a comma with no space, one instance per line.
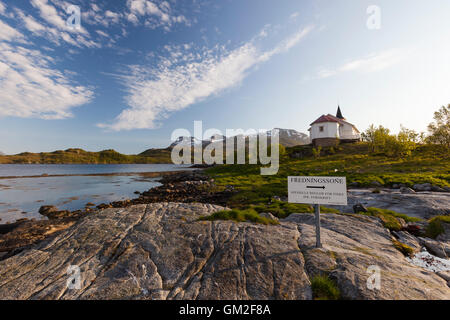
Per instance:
(154,15)
(8,33)
(2,8)
(97,16)
(31,88)
(187,77)
(371,63)
(35,27)
(56,30)
(133,18)
(49,14)
(114,17)
(102,33)
(139,12)
(294,16)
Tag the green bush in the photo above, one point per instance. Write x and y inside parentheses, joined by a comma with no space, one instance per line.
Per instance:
(248,215)
(316,152)
(435,226)
(324,288)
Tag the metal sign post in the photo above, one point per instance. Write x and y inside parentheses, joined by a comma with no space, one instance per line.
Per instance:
(318,243)
(317,191)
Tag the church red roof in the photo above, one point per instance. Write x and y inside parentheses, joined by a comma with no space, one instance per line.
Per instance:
(327,118)
(331,118)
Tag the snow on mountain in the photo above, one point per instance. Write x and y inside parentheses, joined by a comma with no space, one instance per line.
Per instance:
(288,138)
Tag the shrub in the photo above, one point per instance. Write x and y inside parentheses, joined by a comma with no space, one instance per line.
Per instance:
(317,151)
(248,215)
(435,226)
(324,288)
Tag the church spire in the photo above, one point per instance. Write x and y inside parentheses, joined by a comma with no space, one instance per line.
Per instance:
(339,113)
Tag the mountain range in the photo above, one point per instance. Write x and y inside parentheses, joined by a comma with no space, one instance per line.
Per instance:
(288,138)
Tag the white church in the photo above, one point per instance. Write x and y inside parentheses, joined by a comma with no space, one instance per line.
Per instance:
(331,130)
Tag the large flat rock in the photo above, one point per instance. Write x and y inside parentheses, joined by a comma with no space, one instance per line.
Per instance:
(162,251)
(420,204)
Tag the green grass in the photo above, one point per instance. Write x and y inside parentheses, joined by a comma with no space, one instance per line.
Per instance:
(284,209)
(389,217)
(435,226)
(248,215)
(403,248)
(427,164)
(324,288)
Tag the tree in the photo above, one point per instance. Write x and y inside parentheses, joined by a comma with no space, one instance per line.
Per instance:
(369,136)
(410,135)
(376,137)
(440,129)
(382,141)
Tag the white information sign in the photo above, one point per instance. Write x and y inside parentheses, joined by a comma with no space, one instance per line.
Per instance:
(318,190)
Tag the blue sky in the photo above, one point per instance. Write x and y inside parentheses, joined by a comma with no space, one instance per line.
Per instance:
(137,70)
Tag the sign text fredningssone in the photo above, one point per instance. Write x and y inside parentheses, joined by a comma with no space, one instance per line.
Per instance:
(318,180)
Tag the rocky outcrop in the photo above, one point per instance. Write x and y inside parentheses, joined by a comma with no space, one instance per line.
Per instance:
(357,244)
(162,251)
(408,239)
(437,248)
(421,204)
(429,187)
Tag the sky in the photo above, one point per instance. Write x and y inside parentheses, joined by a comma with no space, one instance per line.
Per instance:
(133,71)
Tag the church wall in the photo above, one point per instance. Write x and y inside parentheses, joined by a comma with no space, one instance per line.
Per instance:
(348,132)
(330,130)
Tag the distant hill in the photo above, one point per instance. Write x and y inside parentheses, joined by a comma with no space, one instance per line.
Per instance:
(80,156)
(288,138)
(157,154)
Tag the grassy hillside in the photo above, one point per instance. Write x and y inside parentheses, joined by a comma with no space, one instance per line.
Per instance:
(79,156)
(426,164)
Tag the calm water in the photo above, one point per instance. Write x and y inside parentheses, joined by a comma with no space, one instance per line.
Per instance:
(22,197)
(20,170)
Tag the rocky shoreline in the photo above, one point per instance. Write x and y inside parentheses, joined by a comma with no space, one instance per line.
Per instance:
(178,186)
(196,187)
